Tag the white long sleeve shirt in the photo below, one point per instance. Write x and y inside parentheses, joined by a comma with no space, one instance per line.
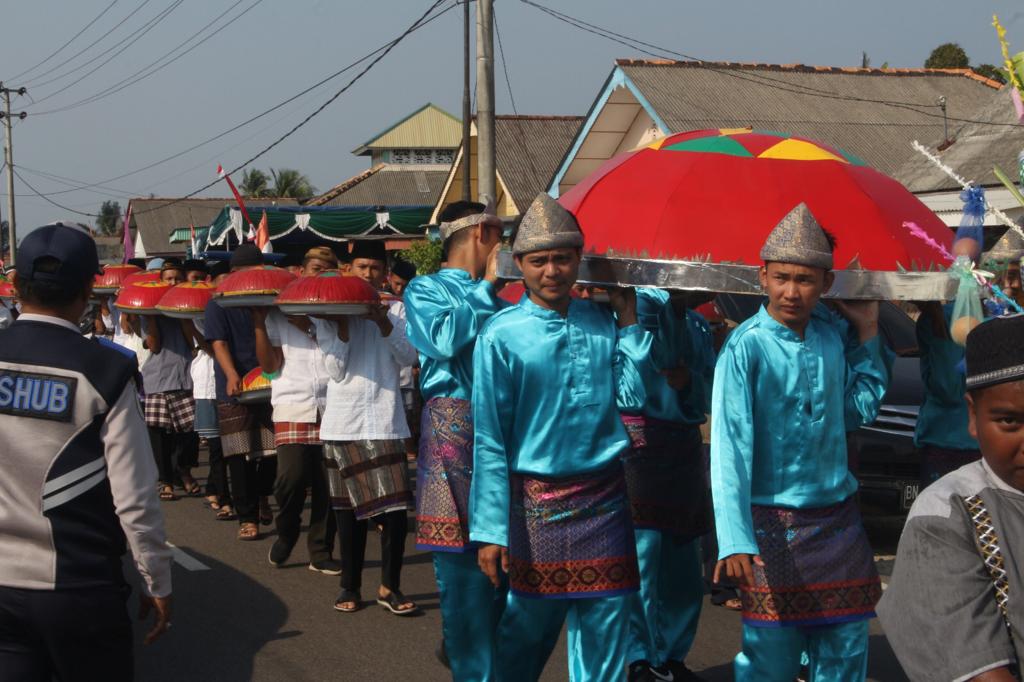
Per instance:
(299,393)
(364,400)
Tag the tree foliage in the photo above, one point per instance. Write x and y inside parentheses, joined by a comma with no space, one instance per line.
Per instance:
(425,255)
(947,56)
(288,182)
(109,218)
(255,183)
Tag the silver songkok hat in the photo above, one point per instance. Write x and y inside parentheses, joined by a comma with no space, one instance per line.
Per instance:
(1009,248)
(547,225)
(486,217)
(798,239)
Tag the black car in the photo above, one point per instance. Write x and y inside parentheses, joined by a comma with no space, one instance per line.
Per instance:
(882,455)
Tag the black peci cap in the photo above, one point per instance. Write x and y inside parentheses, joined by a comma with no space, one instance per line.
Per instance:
(246,255)
(403,269)
(995,354)
(369,248)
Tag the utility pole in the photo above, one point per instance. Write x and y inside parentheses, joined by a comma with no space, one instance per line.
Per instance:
(467,112)
(487,182)
(9,159)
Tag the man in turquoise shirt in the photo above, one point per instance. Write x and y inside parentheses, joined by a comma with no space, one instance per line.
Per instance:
(667,485)
(548,497)
(445,312)
(787,388)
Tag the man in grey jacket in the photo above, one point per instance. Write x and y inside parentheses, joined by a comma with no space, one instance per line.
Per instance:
(79,482)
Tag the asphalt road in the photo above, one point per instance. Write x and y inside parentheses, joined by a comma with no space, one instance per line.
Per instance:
(236,617)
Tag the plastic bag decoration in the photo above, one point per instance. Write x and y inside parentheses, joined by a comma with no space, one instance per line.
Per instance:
(969,236)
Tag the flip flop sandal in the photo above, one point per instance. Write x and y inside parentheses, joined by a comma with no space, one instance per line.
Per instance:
(167,493)
(192,489)
(225,513)
(345,597)
(247,532)
(394,601)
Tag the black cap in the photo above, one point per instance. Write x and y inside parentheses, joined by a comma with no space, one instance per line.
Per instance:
(71,246)
(194,265)
(218,268)
(403,269)
(994,352)
(369,248)
(246,255)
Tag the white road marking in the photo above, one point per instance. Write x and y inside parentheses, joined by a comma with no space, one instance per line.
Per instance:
(187,561)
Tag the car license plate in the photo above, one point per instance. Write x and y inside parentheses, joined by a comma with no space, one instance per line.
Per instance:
(910,491)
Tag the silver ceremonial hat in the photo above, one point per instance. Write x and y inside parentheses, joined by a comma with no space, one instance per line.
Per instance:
(1009,248)
(547,225)
(798,239)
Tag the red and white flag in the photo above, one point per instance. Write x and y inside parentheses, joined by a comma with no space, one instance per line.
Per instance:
(192,240)
(263,235)
(129,244)
(238,197)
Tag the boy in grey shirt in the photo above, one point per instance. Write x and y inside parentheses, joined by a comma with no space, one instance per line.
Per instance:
(954,607)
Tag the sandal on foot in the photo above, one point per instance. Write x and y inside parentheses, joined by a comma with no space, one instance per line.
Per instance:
(191,488)
(167,493)
(212,502)
(226,513)
(247,532)
(347,597)
(395,601)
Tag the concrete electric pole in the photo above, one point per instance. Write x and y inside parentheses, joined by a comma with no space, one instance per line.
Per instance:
(467,111)
(487,182)
(9,160)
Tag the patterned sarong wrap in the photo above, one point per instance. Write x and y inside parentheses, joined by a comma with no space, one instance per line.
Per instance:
(246,430)
(572,538)
(375,475)
(668,489)
(443,473)
(173,411)
(819,568)
(297,433)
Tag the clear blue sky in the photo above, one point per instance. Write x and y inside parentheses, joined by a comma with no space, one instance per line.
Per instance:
(280,47)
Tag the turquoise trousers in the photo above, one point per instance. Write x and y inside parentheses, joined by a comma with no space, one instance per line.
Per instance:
(663,615)
(837,653)
(598,630)
(470,610)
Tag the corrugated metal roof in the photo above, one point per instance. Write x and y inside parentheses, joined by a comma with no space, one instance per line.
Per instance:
(528,151)
(156,218)
(977,149)
(386,186)
(837,106)
(428,127)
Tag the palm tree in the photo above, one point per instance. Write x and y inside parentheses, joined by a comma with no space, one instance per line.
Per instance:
(255,183)
(289,182)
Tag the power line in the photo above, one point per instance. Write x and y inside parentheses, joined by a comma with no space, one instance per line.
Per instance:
(49,200)
(272,109)
(75,185)
(757,79)
(146,28)
(319,109)
(504,63)
(90,45)
(70,40)
(136,77)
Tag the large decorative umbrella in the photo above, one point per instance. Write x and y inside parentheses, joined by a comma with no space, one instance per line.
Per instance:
(712,197)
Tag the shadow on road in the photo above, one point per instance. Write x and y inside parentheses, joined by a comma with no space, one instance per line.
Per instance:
(218,637)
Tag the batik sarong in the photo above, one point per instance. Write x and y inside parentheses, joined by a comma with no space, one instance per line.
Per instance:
(571,537)
(443,473)
(246,430)
(664,469)
(335,486)
(818,568)
(375,474)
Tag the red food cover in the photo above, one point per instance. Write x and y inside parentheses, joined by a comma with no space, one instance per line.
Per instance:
(141,276)
(113,277)
(330,288)
(188,297)
(255,380)
(6,288)
(262,280)
(142,296)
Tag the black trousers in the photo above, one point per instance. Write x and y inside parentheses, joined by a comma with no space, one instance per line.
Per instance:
(217,480)
(67,635)
(251,479)
(174,453)
(352,532)
(299,467)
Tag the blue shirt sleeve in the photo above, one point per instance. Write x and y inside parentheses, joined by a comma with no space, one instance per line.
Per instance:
(439,329)
(216,323)
(493,415)
(732,449)
(632,355)
(867,379)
